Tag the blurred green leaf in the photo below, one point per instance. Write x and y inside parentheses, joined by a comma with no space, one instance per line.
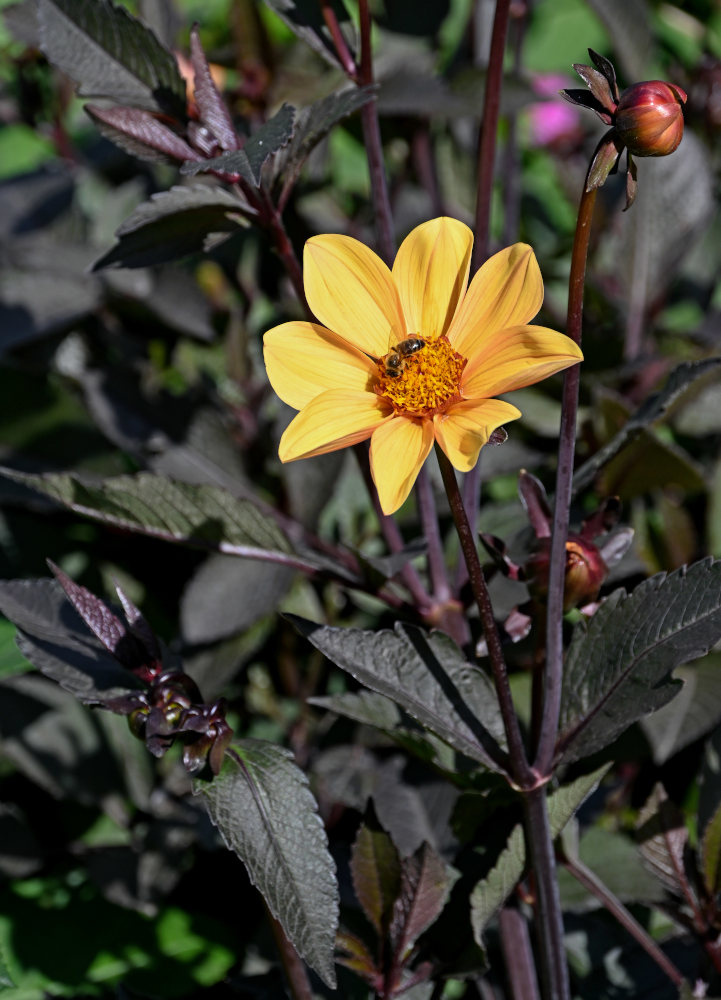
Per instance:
(619,667)
(267,815)
(109,53)
(694,711)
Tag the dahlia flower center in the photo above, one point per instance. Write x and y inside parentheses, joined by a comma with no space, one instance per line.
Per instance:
(420,381)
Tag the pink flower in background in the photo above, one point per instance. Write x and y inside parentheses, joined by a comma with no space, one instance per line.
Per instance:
(552,121)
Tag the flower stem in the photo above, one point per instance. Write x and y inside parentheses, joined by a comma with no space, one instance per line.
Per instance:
(373,145)
(518,954)
(520,770)
(566,447)
(590,881)
(295,971)
(486,159)
(539,847)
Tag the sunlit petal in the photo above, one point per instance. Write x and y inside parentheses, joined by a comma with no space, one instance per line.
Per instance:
(399,447)
(334,419)
(517,357)
(304,359)
(431,274)
(351,291)
(506,291)
(464,430)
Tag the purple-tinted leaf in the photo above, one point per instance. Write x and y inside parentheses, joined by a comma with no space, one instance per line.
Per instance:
(631,182)
(58,643)
(109,53)
(112,632)
(619,668)
(598,85)
(139,626)
(583,99)
(376,872)
(662,836)
(423,894)
(607,69)
(141,134)
(427,675)
(605,160)
(267,815)
(305,19)
(357,958)
(213,112)
(174,224)
(247,162)
(535,502)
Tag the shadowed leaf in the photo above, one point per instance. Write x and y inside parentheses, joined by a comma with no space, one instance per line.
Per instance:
(247,162)
(376,872)
(140,133)
(692,713)
(423,894)
(427,675)
(267,815)
(305,19)
(662,837)
(213,112)
(651,410)
(173,224)
(492,891)
(109,53)
(619,668)
(204,516)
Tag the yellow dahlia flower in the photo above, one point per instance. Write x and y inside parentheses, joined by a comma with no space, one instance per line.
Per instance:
(411,355)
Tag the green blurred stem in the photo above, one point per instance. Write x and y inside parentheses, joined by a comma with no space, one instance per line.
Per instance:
(486,159)
(549,923)
(553,676)
(517,762)
(590,881)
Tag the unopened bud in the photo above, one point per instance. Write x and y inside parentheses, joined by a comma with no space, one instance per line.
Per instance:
(585,572)
(649,118)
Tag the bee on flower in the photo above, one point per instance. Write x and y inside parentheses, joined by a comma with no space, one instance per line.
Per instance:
(457,345)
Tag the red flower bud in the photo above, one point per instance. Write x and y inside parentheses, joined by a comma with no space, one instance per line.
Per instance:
(649,118)
(585,572)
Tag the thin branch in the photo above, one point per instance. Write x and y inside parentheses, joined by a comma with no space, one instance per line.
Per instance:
(590,881)
(520,770)
(564,476)
(518,954)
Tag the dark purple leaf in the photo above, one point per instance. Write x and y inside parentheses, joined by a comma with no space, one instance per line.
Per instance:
(141,134)
(213,111)
(534,499)
(423,894)
(662,835)
(598,85)
(112,632)
(376,872)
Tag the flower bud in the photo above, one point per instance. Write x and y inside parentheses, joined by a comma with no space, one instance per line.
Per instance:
(585,572)
(649,118)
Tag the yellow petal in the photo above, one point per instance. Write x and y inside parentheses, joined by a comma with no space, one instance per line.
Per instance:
(334,419)
(304,359)
(399,447)
(431,274)
(517,357)
(467,426)
(505,291)
(351,291)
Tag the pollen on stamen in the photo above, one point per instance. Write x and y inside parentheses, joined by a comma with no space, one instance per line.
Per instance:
(429,381)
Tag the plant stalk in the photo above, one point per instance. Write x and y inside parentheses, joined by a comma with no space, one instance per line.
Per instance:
(548,728)
(486,159)
(520,771)
(518,954)
(295,972)
(590,881)
(373,144)
(549,924)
